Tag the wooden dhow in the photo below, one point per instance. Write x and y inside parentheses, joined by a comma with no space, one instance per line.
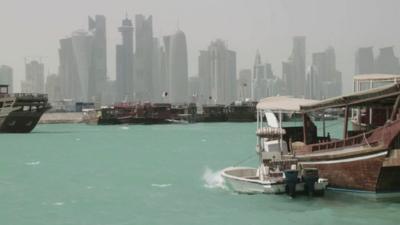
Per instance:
(362,160)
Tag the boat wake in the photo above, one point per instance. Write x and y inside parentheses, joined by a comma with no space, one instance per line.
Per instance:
(213,179)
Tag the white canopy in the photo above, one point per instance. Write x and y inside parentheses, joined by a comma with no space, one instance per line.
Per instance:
(283,103)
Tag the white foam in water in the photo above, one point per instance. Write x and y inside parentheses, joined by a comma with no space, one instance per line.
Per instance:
(35,163)
(213,179)
(77,139)
(58,203)
(125,128)
(161,185)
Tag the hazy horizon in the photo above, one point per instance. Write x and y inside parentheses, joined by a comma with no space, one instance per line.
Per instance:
(34,28)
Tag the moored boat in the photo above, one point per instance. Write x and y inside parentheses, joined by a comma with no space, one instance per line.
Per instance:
(362,160)
(241,111)
(276,174)
(247,180)
(20,112)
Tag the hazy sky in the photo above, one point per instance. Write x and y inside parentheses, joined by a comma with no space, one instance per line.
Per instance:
(33,28)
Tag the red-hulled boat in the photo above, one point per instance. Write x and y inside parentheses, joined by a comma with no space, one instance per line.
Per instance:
(136,113)
(367,160)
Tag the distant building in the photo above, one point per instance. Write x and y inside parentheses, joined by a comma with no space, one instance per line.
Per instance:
(143,73)
(194,89)
(124,63)
(323,79)
(217,73)
(244,84)
(53,88)
(364,63)
(262,74)
(75,66)
(98,70)
(109,93)
(6,77)
(34,77)
(176,68)
(83,62)
(386,62)
(205,81)
(159,74)
(294,69)
(313,84)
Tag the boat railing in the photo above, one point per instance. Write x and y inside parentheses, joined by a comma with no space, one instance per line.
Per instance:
(337,144)
(24,95)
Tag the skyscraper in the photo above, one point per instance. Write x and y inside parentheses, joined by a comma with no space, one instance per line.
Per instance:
(262,74)
(98,70)
(194,89)
(143,57)
(83,63)
(75,65)
(177,67)
(323,79)
(53,88)
(313,83)
(204,70)
(295,68)
(159,77)
(386,62)
(217,72)
(364,61)
(124,63)
(244,84)
(34,77)
(6,77)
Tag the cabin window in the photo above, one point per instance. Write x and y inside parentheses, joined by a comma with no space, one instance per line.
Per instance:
(376,84)
(3,90)
(365,85)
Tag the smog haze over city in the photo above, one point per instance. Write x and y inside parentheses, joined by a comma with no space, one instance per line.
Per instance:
(33,29)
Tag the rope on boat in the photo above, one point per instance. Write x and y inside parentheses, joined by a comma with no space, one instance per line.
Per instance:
(366,140)
(245,160)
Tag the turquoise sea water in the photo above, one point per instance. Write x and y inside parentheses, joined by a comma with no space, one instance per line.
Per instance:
(161,174)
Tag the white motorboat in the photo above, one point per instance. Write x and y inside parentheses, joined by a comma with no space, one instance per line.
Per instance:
(278,172)
(246,180)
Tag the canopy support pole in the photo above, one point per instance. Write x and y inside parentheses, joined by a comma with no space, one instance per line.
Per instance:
(305,122)
(323,124)
(280,128)
(346,122)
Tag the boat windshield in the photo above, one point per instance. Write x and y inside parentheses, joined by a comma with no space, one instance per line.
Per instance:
(271,119)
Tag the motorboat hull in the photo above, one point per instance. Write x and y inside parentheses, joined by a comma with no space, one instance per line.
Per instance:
(244,180)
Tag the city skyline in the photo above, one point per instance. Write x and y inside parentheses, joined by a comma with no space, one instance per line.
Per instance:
(246,29)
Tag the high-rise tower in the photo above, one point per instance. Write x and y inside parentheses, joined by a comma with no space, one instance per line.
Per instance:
(177,68)
(124,63)
(144,58)
(364,61)
(98,65)
(295,68)
(217,73)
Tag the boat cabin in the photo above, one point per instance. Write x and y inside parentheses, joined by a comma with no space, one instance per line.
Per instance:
(310,135)
(3,89)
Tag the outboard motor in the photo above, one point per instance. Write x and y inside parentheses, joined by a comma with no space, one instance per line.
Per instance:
(291,181)
(310,177)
